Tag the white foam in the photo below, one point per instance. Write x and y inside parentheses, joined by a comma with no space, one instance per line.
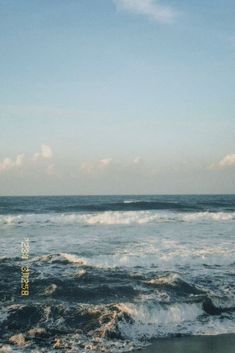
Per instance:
(10,219)
(152,320)
(144,217)
(121,217)
(60,258)
(74,259)
(166,254)
(131,201)
(114,218)
(171,278)
(209,216)
(162,255)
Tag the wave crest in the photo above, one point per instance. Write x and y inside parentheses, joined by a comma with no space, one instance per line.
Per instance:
(114,218)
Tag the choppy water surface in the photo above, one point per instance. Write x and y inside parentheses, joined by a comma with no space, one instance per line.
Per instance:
(110,273)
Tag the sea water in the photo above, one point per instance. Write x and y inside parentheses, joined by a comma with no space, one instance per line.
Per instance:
(111,273)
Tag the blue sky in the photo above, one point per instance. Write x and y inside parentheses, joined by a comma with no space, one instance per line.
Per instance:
(129,96)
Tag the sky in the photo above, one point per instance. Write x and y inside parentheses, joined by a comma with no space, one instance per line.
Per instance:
(117,97)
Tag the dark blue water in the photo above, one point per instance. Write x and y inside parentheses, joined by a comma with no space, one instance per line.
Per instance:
(60,204)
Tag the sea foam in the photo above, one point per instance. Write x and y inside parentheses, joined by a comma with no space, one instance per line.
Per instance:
(114,218)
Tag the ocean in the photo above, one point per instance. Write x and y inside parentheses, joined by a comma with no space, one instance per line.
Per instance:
(112,273)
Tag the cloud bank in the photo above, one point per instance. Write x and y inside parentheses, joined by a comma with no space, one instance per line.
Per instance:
(8,163)
(21,161)
(109,165)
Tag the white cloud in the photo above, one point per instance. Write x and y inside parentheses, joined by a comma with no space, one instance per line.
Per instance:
(39,160)
(45,153)
(8,163)
(93,167)
(107,165)
(103,163)
(150,8)
(228,161)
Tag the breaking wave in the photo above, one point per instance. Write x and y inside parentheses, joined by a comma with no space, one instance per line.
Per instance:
(106,327)
(104,310)
(114,218)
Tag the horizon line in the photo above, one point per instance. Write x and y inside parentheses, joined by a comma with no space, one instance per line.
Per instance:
(108,195)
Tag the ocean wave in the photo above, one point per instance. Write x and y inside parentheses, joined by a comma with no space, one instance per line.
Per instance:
(128,205)
(107,328)
(60,258)
(107,309)
(113,218)
(209,216)
(153,321)
(132,201)
(161,257)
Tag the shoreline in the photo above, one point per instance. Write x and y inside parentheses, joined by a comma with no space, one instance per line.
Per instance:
(224,343)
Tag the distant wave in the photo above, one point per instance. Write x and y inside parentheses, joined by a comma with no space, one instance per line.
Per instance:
(129,205)
(69,204)
(113,218)
(131,201)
